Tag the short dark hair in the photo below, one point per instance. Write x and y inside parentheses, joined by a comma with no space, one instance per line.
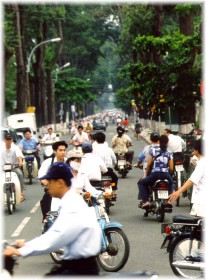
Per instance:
(100,137)
(56,145)
(27,130)
(198,146)
(168,130)
(80,126)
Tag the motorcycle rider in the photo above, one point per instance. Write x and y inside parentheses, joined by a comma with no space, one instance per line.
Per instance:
(75,229)
(13,155)
(50,136)
(121,143)
(108,156)
(176,144)
(91,164)
(198,181)
(29,143)
(160,161)
(80,136)
(59,149)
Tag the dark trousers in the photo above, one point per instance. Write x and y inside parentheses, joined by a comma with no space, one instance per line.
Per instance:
(150,180)
(114,177)
(84,266)
(45,203)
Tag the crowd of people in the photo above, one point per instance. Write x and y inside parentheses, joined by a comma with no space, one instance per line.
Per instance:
(65,174)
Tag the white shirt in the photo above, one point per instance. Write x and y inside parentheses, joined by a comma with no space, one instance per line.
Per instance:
(46,165)
(106,154)
(81,182)
(198,178)
(93,166)
(49,137)
(75,230)
(176,143)
(80,137)
(11,155)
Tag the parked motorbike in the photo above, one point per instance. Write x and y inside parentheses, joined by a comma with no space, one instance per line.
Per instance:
(159,194)
(105,185)
(30,166)
(178,176)
(115,245)
(122,167)
(184,243)
(11,187)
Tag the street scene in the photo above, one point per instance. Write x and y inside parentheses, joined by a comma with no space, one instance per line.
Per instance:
(103,131)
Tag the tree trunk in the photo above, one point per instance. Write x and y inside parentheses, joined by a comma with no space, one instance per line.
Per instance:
(157,29)
(22,94)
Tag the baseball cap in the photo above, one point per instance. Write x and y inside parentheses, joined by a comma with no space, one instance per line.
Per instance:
(87,146)
(74,154)
(8,136)
(154,136)
(59,170)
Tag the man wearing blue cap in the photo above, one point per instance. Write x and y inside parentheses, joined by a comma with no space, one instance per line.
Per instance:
(75,229)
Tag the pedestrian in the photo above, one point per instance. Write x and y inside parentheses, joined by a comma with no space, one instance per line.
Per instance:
(198,181)
(29,143)
(59,149)
(75,229)
(11,154)
(159,166)
(138,129)
(108,156)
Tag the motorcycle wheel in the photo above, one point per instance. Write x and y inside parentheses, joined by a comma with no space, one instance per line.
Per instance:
(56,256)
(160,214)
(9,201)
(117,252)
(124,173)
(179,251)
(30,174)
(107,206)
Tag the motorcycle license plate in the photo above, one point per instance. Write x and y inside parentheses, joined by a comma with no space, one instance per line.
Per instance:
(179,167)
(162,194)
(121,162)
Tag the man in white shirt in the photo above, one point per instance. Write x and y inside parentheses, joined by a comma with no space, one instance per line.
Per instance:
(176,143)
(50,136)
(80,137)
(13,155)
(59,149)
(198,181)
(92,165)
(75,229)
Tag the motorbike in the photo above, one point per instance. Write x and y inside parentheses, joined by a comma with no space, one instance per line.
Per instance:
(30,166)
(105,185)
(178,176)
(47,149)
(159,194)
(184,243)
(122,167)
(12,188)
(115,245)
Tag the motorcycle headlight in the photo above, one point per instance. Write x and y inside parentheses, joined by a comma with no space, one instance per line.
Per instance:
(100,198)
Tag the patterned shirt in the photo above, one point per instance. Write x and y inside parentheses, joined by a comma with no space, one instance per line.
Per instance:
(162,161)
(120,144)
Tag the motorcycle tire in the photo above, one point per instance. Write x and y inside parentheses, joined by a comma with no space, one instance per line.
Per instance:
(160,215)
(9,201)
(117,252)
(124,173)
(56,256)
(30,175)
(107,206)
(178,253)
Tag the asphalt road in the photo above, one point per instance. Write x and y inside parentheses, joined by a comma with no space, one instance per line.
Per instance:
(144,233)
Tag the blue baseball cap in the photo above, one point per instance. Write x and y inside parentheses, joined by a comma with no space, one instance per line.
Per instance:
(59,170)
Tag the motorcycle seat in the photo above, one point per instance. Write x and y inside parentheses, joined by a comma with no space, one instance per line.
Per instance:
(29,158)
(185,219)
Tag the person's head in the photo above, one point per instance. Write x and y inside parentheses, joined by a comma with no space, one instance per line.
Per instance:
(100,137)
(197,147)
(74,158)
(8,139)
(50,130)
(59,149)
(80,128)
(87,147)
(120,131)
(59,177)
(154,137)
(163,141)
(167,131)
(27,133)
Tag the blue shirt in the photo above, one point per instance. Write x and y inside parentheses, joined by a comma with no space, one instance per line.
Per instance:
(161,162)
(28,144)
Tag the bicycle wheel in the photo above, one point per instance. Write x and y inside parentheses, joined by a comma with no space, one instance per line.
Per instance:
(179,251)
(9,202)
(117,251)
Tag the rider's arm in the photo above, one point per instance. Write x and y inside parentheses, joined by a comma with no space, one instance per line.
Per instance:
(149,164)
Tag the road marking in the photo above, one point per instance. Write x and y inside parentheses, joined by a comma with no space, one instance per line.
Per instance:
(36,206)
(21,226)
